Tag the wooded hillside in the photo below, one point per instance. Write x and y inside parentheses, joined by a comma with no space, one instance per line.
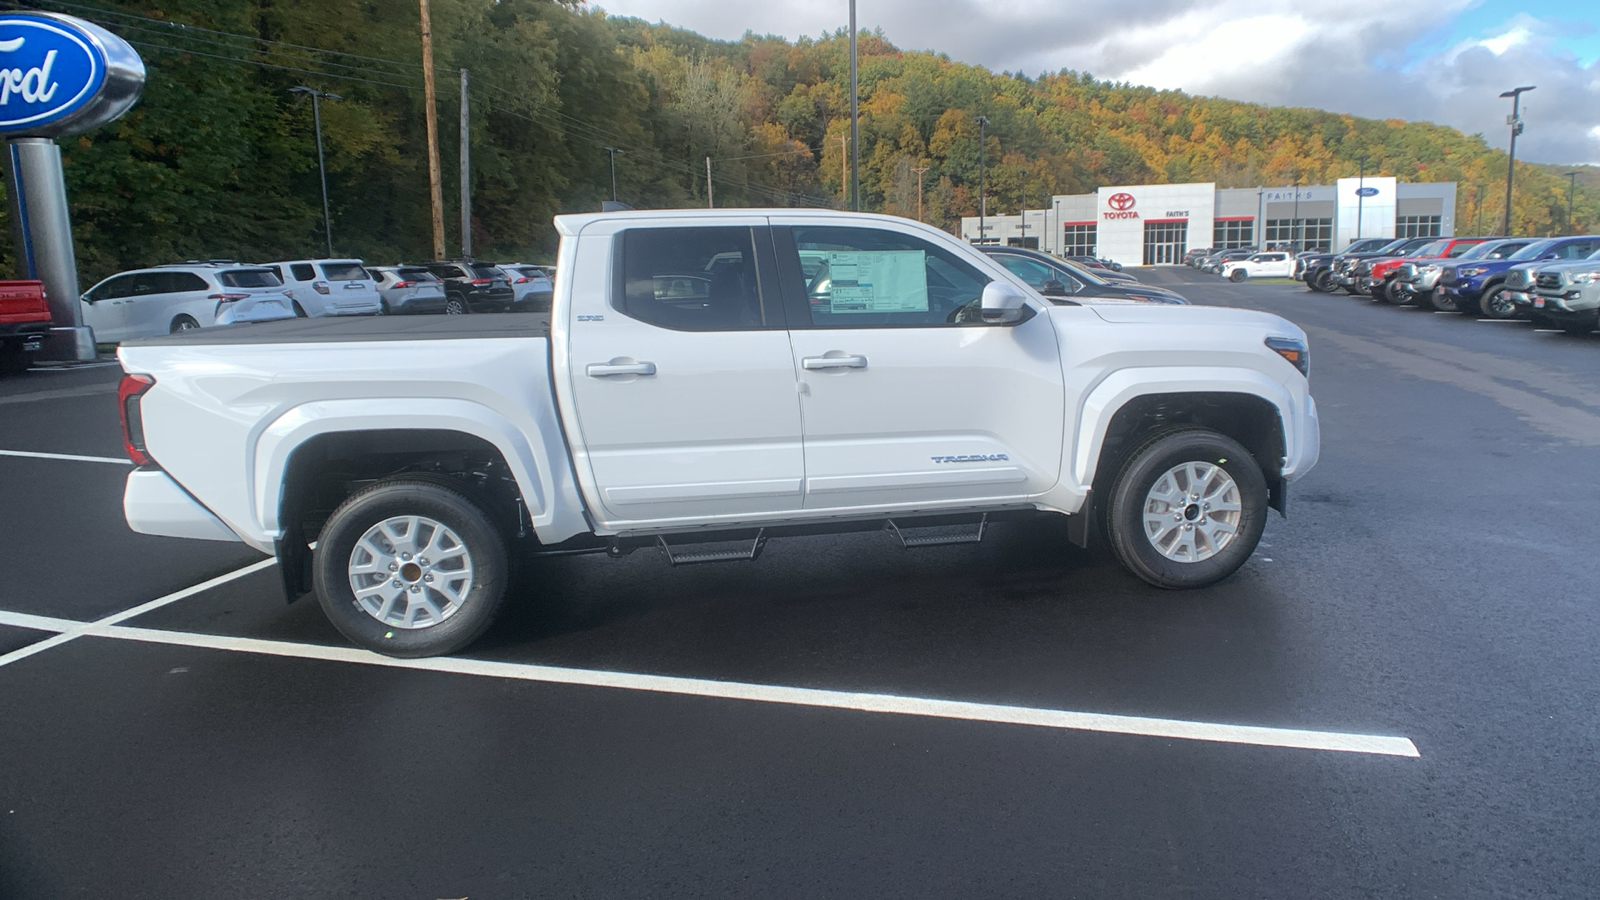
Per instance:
(218,158)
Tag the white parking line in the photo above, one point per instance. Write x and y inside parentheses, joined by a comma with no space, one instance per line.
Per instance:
(69,457)
(1543,330)
(79,629)
(1179,729)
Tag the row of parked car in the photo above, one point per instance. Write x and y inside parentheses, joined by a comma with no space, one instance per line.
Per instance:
(201,293)
(1555,282)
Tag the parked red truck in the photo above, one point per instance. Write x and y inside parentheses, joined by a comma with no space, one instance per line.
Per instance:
(24,320)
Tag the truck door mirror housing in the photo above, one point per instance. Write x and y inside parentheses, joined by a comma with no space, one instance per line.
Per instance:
(1003,304)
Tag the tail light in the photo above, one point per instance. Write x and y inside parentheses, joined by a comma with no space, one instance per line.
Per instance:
(405,284)
(522,280)
(320,287)
(227,298)
(129,394)
(480,282)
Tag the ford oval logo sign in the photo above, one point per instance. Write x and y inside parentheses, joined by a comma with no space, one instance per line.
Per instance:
(62,75)
(1366,192)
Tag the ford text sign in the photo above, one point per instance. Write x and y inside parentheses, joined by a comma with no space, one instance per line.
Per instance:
(61,75)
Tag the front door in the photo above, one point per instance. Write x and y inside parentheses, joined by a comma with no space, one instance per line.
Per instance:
(909,399)
(680,372)
(103,307)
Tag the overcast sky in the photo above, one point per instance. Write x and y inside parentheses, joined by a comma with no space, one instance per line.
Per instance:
(1444,61)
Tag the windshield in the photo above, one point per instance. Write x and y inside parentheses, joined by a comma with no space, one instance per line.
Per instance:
(249,278)
(1479,251)
(416,275)
(1533,250)
(344,272)
(1429,250)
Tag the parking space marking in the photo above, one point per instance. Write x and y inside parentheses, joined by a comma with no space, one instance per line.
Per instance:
(79,629)
(59,394)
(37,623)
(69,457)
(1261,736)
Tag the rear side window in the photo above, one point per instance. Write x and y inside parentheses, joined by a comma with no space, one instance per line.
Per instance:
(487,272)
(302,272)
(1459,249)
(249,278)
(344,272)
(1577,250)
(691,279)
(416,275)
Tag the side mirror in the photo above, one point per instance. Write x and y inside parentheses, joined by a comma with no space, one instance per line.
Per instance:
(1002,304)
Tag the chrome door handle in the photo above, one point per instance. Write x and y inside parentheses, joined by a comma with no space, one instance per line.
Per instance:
(601,370)
(834,362)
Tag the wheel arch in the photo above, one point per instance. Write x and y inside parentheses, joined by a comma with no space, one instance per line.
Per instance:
(1244,405)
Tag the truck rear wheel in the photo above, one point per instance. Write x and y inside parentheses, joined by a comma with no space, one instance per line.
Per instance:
(1187,509)
(410,567)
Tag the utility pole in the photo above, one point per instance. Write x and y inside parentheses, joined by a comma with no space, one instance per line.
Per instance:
(1477,224)
(844,168)
(466,173)
(1024,236)
(322,169)
(983,123)
(855,136)
(1572,185)
(924,168)
(1515,121)
(436,196)
(711,197)
(1058,236)
(612,151)
(1361,196)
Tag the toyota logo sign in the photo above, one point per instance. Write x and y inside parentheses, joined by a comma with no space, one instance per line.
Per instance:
(1120,201)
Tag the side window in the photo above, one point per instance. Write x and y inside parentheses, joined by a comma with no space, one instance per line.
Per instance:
(865,278)
(1039,276)
(691,279)
(302,272)
(1577,250)
(186,281)
(1459,249)
(115,289)
(278,271)
(146,283)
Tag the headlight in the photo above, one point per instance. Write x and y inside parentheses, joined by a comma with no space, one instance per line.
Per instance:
(1430,269)
(1473,272)
(1585,277)
(1294,350)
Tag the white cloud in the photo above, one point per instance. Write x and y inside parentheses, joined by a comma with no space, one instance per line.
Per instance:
(1354,56)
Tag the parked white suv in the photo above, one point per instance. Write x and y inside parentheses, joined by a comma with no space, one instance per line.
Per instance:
(329,287)
(165,299)
(1261,265)
(531,288)
(408,290)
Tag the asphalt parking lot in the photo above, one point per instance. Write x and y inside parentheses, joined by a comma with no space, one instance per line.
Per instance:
(1394,697)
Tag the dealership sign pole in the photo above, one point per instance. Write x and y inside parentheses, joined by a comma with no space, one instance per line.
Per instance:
(59,75)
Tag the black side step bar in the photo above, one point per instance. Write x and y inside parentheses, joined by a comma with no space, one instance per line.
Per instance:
(688,557)
(924,536)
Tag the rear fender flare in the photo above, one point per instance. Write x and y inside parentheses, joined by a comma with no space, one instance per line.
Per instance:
(537,457)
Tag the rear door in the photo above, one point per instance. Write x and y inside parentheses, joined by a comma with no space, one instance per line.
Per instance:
(908,398)
(682,383)
(147,311)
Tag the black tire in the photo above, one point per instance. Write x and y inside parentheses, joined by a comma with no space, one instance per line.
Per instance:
(1353,291)
(13,359)
(1130,492)
(299,311)
(456,305)
(383,308)
(1238,275)
(411,496)
(1391,293)
(1321,281)
(1439,301)
(1494,304)
(183,323)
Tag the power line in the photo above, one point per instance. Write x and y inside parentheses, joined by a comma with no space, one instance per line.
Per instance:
(267,65)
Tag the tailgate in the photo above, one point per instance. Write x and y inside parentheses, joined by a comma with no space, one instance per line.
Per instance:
(23,301)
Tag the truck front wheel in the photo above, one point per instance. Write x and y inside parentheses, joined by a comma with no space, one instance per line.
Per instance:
(410,567)
(1187,509)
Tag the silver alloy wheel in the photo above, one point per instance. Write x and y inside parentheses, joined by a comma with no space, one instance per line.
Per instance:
(410,572)
(454,307)
(1192,512)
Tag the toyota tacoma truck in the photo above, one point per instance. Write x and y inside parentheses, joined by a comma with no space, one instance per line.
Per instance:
(24,321)
(705,381)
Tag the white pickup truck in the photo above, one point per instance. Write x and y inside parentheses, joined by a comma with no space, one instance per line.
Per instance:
(707,380)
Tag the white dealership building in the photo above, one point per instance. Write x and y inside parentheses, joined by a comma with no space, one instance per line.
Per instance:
(1155,224)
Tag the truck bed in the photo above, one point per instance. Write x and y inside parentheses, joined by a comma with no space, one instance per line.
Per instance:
(348,329)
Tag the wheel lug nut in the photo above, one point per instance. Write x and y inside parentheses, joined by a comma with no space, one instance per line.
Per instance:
(415,589)
(396,583)
(422,560)
(394,567)
(405,556)
(427,578)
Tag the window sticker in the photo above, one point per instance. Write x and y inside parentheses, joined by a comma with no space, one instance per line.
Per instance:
(878,281)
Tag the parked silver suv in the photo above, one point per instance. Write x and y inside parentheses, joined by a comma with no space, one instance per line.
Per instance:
(196,294)
(1567,295)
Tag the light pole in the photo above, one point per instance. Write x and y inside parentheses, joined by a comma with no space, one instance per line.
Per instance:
(855,135)
(1260,236)
(1299,232)
(1361,195)
(1058,237)
(612,152)
(983,123)
(1572,184)
(1515,121)
(1024,207)
(322,169)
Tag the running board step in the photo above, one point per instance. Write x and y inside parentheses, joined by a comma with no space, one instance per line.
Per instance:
(683,557)
(946,534)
